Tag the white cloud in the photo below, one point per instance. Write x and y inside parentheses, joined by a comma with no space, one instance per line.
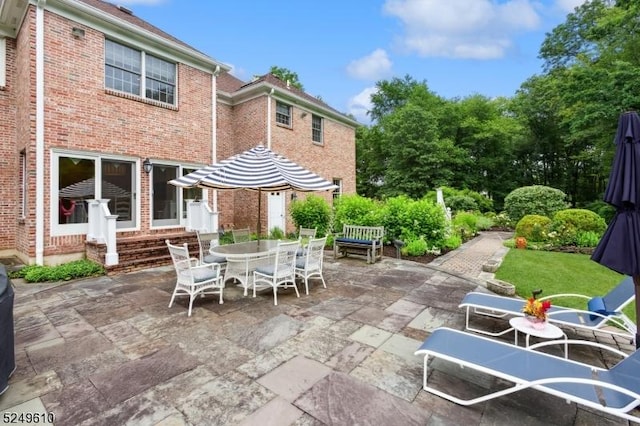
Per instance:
(569,5)
(371,67)
(478,29)
(360,104)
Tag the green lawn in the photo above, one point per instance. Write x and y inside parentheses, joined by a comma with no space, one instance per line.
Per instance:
(555,273)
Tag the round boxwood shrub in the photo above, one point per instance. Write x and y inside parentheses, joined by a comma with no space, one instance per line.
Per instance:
(533,227)
(537,199)
(568,224)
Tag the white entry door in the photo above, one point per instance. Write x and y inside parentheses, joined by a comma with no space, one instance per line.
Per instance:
(276,210)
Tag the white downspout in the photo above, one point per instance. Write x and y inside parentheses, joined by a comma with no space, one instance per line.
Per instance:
(214,128)
(269,117)
(40,132)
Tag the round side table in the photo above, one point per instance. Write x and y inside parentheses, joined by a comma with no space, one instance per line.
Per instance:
(522,325)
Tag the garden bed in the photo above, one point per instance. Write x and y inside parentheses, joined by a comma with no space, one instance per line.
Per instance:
(390,251)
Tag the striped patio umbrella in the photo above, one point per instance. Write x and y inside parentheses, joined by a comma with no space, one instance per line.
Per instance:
(257,169)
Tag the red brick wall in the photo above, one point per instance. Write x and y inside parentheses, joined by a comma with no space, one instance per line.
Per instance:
(81,115)
(246,127)
(21,79)
(8,155)
(334,158)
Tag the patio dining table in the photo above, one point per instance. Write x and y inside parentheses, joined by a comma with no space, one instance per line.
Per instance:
(244,258)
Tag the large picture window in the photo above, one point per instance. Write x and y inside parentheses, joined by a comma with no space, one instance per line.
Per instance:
(125,68)
(79,178)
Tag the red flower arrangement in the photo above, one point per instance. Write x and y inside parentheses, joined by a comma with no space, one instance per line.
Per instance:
(536,308)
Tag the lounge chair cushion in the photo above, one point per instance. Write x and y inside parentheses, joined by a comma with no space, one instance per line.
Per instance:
(597,305)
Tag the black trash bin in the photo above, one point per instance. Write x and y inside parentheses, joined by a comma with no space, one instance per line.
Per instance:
(7,349)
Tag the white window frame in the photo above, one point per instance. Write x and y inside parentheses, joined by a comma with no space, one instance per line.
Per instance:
(279,115)
(143,74)
(338,191)
(3,61)
(58,229)
(23,184)
(319,132)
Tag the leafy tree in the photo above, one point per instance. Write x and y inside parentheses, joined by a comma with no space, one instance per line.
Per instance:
(418,158)
(285,75)
(392,94)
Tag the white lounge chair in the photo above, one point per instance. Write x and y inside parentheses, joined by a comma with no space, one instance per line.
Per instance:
(615,391)
(598,312)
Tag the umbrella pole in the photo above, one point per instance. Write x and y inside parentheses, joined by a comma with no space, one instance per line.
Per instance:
(636,281)
(259,212)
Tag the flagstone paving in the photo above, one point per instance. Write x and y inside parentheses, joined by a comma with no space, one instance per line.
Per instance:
(108,351)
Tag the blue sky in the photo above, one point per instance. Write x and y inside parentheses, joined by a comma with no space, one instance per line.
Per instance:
(341,48)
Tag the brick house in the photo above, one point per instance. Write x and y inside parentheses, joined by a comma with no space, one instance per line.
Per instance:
(89,92)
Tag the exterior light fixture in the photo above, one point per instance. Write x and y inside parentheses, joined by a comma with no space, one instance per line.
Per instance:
(147,166)
(77,32)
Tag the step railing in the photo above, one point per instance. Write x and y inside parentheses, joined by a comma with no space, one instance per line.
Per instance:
(200,217)
(102,228)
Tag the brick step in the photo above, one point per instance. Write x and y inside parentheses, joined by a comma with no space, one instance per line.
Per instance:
(136,253)
(138,264)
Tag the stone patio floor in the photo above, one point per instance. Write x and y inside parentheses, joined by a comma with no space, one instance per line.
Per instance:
(108,351)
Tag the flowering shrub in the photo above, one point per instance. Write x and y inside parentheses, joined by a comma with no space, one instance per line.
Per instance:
(569,223)
(533,227)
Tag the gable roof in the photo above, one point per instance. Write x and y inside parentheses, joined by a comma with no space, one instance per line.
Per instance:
(120,22)
(228,83)
(127,15)
(238,91)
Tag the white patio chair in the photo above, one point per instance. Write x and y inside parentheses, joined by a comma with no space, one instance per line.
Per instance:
(206,240)
(281,273)
(241,235)
(304,235)
(192,278)
(310,265)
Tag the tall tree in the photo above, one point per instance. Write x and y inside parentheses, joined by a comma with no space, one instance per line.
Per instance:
(287,75)
(420,160)
(391,94)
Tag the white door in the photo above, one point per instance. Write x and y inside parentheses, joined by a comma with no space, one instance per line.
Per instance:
(276,210)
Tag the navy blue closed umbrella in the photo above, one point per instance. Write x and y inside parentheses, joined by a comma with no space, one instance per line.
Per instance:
(619,248)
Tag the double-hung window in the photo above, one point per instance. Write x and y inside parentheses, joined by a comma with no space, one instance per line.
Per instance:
(283,114)
(338,191)
(316,129)
(139,73)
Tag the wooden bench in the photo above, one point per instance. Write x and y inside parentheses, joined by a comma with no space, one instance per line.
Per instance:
(357,238)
